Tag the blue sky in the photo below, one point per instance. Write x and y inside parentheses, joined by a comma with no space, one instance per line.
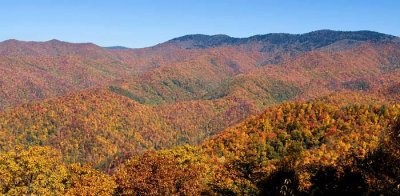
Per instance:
(140,23)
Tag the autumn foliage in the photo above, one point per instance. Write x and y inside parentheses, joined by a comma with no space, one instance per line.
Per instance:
(276,114)
(40,171)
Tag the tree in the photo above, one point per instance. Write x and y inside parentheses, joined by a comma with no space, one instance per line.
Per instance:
(34,171)
(83,180)
(158,174)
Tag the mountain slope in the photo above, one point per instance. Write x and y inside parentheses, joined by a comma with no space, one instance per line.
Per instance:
(95,125)
(168,73)
(330,98)
(288,145)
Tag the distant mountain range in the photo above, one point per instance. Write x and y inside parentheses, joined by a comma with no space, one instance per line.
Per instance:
(303,42)
(311,40)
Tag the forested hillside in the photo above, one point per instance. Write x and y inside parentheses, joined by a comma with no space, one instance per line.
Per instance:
(293,66)
(294,148)
(275,114)
(96,125)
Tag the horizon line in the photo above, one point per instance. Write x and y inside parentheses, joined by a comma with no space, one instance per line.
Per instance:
(194,34)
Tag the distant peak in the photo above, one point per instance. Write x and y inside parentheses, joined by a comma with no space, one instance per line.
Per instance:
(54,40)
(202,41)
(117,47)
(11,41)
(199,37)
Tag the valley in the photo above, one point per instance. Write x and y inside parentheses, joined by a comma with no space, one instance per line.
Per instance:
(214,115)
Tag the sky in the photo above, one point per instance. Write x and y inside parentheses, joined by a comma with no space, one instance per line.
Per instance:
(142,23)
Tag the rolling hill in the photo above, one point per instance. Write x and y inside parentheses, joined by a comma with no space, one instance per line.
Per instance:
(95,125)
(205,114)
(169,72)
(182,91)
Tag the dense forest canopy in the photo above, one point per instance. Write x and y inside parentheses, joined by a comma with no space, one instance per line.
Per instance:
(275,114)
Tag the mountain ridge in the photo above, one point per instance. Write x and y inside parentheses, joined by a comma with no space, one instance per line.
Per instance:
(220,39)
(159,75)
(331,36)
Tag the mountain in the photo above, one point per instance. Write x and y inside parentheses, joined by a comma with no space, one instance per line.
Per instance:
(224,70)
(50,48)
(203,41)
(225,83)
(221,71)
(158,75)
(301,42)
(95,125)
(268,114)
